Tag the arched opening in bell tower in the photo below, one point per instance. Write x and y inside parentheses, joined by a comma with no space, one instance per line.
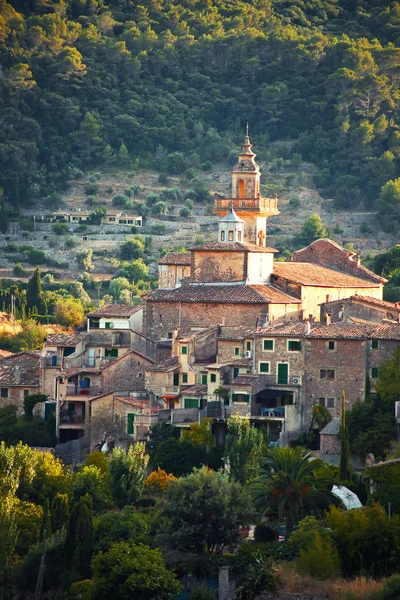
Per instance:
(241,188)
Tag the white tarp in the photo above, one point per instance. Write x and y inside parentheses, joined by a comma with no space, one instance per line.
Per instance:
(350,499)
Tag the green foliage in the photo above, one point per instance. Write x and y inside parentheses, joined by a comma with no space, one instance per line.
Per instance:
(127,472)
(60,228)
(99,460)
(84,259)
(30,402)
(244,447)
(91,189)
(3,214)
(257,579)
(132,249)
(313,229)
(59,512)
(69,312)
(34,291)
(264,533)
(344,466)
(320,560)
(92,481)
(391,588)
(366,539)
(371,428)
(79,542)
(388,204)
(31,337)
(135,271)
(199,434)
(128,525)
(178,458)
(289,483)
(19,271)
(129,571)
(202,593)
(204,511)
(386,485)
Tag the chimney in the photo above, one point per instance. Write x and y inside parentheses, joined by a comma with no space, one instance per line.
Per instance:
(328,319)
(328,297)
(307,327)
(17,375)
(310,318)
(223,321)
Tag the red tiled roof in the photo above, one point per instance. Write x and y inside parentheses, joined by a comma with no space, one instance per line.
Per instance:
(166,365)
(295,328)
(114,310)
(232,247)
(225,294)
(194,390)
(369,300)
(63,339)
(176,258)
(244,379)
(312,274)
(20,369)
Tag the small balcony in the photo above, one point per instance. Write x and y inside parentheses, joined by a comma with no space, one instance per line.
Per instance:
(269,205)
(76,390)
(183,416)
(276,413)
(74,419)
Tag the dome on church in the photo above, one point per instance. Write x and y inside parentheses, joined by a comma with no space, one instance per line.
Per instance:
(231,217)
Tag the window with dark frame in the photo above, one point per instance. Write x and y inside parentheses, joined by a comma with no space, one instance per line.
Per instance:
(327,374)
(375,344)
(375,373)
(294,346)
(330,402)
(184,378)
(3,392)
(213,378)
(268,344)
(331,345)
(237,349)
(264,367)
(184,350)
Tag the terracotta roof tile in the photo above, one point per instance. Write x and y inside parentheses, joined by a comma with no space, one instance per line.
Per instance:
(114,310)
(232,247)
(369,300)
(226,294)
(312,274)
(166,365)
(66,340)
(20,369)
(244,379)
(194,390)
(176,258)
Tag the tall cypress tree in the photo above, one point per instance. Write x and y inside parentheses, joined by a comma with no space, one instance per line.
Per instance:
(59,512)
(344,466)
(79,541)
(3,215)
(34,291)
(46,522)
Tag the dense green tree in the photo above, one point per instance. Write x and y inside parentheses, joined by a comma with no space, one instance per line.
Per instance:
(129,571)
(205,511)
(59,512)
(313,229)
(132,249)
(92,481)
(34,291)
(69,312)
(79,541)
(127,472)
(3,215)
(178,457)
(244,446)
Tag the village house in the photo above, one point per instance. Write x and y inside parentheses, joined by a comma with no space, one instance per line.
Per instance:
(116,316)
(111,217)
(20,377)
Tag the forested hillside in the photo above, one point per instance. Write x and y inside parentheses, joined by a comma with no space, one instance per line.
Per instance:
(85,82)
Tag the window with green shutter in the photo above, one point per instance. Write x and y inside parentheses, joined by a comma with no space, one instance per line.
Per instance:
(184,377)
(294,346)
(176,379)
(264,367)
(248,346)
(111,352)
(374,373)
(204,380)
(184,350)
(237,351)
(130,422)
(107,325)
(375,344)
(268,344)
(191,403)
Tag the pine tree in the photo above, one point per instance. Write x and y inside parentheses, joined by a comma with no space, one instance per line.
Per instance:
(344,466)
(3,215)
(123,156)
(59,512)
(34,291)
(80,538)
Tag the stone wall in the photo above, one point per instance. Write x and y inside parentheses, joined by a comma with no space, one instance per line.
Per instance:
(219,266)
(329,444)
(126,374)
(16,396)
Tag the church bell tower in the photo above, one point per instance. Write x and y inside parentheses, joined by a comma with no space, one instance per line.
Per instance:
(246,198)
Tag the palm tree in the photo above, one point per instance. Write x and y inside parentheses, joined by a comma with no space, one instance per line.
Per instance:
(289,482)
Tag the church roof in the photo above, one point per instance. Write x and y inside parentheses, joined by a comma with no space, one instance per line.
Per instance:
(312,274)
(232,247)
(224,294)
(176,258)
(231,217)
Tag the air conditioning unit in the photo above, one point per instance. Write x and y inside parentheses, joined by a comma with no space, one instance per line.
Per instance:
(296,380)
(248,353)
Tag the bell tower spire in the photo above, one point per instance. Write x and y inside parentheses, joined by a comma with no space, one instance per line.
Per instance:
(246,197)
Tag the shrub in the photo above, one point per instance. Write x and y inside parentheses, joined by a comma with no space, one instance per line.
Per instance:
(320,560)
(19,271)
(202,593)
(391,588)
(207,166)
(163,178)
(35,257)
(158,229)
(26,224)
(185,212)
(91,189)
(264,533)
(60,228)
(119,199)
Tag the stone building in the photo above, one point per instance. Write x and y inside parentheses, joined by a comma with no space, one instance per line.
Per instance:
(20,377)
(236,277)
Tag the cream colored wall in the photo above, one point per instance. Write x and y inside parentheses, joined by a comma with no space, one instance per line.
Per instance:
(259,267)
(313,296)
(136,321)
(283,312)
